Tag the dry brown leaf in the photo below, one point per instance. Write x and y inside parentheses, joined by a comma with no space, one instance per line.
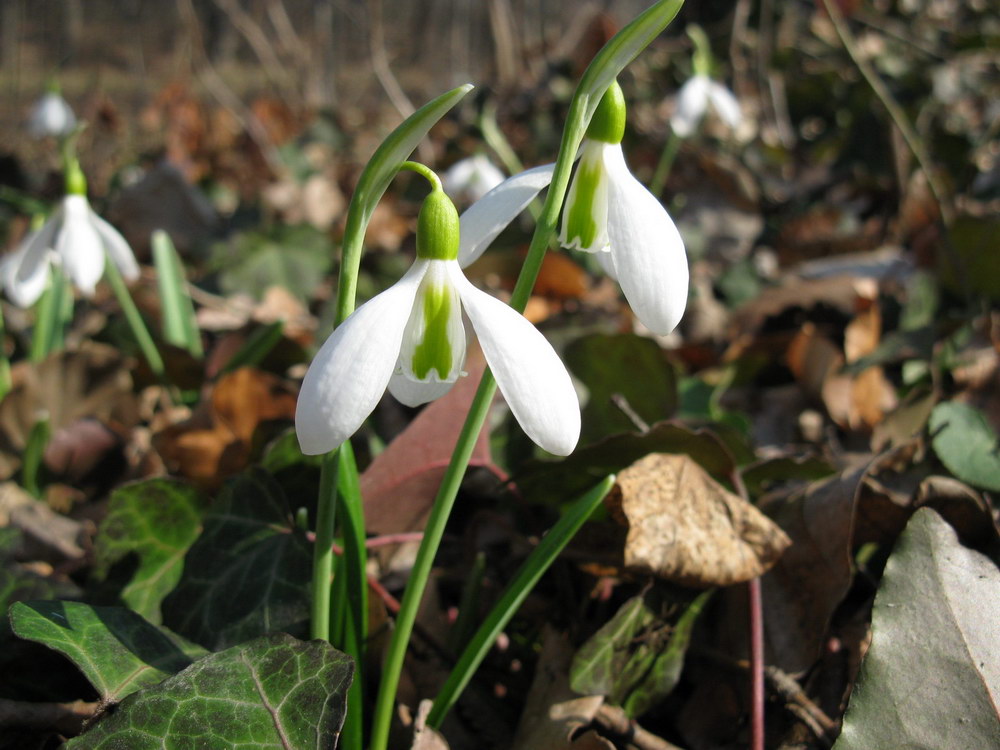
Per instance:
(560,277)
(425,737)
(216,441)
(553,712)
(687,528)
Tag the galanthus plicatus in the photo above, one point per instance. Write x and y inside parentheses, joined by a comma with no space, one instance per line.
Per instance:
(693,102)
(74,237)
(471,178)
(607,212)
(51,116)
(411,338)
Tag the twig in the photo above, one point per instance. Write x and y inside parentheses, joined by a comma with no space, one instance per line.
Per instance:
(66,718)
(899,119)
(614,720)
(756,665)
(259,42)
(625,408)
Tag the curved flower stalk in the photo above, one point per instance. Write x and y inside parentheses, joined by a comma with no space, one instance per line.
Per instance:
(411,338)
(51,116)
(607,212)
(471,178)
(74,237)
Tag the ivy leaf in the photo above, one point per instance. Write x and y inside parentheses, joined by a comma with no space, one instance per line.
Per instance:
(157,520)
(273,692)
(931,677)
(249,571)
(117,650)
(966,444)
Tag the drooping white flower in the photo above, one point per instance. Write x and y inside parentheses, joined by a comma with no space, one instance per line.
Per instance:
(74,237)
(694,99)
(607,212)
(51,116)
(471,178)
(411,339)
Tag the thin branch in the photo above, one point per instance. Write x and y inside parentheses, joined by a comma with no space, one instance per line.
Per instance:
(258,42)
(615,721)
(66,718)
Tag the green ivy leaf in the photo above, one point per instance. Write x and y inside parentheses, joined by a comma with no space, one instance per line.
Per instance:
(931,677)
(966,444)
(274,692)
(156,520)
(636,658)
(249,571)
(117,650)
(296,258)
(627,366)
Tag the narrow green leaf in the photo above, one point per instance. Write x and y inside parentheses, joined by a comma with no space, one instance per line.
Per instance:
(38,438)
(157,520)
(513,596)
(966,444)
(257,346)
(274,692)
(179,325)
(931,678)
(117,650)
(248,572)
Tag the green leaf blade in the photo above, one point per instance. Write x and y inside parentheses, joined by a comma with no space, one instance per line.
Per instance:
(966,444)
(273,692)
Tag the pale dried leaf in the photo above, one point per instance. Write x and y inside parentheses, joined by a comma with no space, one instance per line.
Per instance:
(687,528)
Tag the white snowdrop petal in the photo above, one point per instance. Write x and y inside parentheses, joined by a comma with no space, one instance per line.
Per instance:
(529,373)
(35,252)
(350,372)
(692,101)
(78,245)
(725,104)
(648,251)
(480,224)
(415,392)
(23,292)
(117,248)
(51,116)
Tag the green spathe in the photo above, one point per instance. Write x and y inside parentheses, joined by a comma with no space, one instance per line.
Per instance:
(608,122)
(437,228)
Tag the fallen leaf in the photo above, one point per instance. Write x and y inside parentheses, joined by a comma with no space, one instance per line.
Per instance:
(425,737)
(931,677)
(685,527)
(399,486)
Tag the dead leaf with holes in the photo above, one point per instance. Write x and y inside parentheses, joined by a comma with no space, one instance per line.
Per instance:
(687,528)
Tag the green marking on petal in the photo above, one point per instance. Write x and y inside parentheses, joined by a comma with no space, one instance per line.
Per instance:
(434,350)
(580,224)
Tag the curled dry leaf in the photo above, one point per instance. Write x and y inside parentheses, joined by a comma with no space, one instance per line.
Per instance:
(687,528)
(425,737)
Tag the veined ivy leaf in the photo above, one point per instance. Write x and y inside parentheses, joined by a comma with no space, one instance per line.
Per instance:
(931,677)
(117,650)
(273,692)
(966,444)
(636,658)
(249,571)
(157,520)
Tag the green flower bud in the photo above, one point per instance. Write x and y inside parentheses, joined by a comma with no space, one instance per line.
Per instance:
(608,122)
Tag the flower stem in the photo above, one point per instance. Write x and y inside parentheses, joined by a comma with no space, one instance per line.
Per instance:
(48,315)
(5,382)
(323,548)
(670,149)
(135,322)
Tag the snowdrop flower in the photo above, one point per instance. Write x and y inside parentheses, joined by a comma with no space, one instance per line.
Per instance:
(74,237)
(607,212)
(693,102)
(472,178)
(411,338)
(51,116)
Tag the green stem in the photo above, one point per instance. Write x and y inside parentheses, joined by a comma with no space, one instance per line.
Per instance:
(48,315)
(38,438)
(5,381)
(323,548)
(670,149)
(135,322)
(514,595)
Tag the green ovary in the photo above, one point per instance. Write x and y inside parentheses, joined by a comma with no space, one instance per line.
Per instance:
(580,223)
(434,352)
